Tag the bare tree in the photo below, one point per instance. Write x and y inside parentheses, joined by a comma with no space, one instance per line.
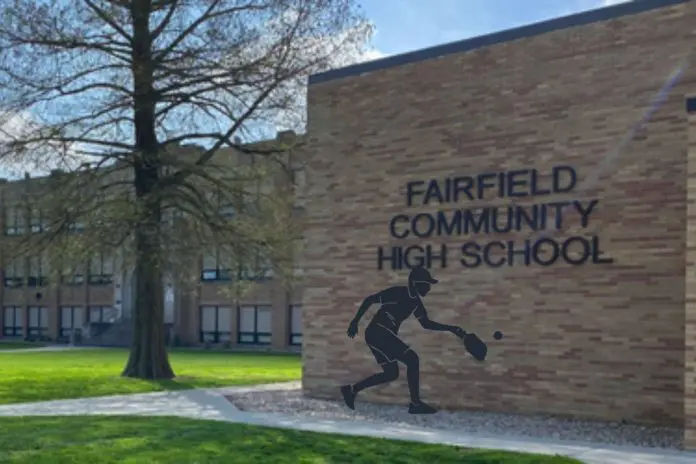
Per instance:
(145,103)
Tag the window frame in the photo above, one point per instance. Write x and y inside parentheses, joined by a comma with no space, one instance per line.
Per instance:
(15,330)
(18,213)
(217,332)
(76,277)
(13,280)
(217,274)
(102,278)
(267,273)
(256,335)
(39,330)
(293,336)
(102,309)
(64,332)
(41,279)
(38,224)
(74,224)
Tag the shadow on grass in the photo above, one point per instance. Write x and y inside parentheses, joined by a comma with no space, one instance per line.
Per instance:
(43,376)
(174,440)
(9,346)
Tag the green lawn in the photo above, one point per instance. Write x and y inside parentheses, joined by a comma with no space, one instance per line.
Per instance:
(82,373)
(142,440)
(18,345)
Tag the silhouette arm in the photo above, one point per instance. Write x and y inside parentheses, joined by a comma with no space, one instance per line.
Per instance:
(429,324)
(369,301)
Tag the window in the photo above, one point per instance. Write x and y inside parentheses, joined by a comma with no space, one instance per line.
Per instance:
(14,220)
(259,269)
(102,314)
(227,210)
(216,266)
(255,325)
(14,273)
(101,269)
(12,324)
(226,207)
(295,325)
(37,221)
(73,275)
(216,324)
(38,271)
(38,321)
(74,223)
(71,317)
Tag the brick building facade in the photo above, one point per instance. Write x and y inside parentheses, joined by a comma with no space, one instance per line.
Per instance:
(98,297)
(604,329)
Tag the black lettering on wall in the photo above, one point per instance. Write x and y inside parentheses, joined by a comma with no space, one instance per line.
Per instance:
(423,225)
(471,253)
(502,221)
(475,224)
(527,219)
(597,253)
(449,226)
(584,255)
(537,191)
(413,189)
(487,251)
(467,221)
(483,183)
(433,193)
(517,253)
(462,185)
(398,232)
(517,183)
(542,245)
(561,185)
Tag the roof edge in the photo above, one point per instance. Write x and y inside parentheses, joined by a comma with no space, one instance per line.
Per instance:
(578,19)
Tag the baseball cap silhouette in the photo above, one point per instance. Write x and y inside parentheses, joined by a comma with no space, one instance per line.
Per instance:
(421,274)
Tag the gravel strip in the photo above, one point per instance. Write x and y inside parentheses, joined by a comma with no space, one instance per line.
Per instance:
(546,427)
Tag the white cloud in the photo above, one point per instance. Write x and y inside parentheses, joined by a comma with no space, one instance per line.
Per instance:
(36,158)
(285,109)
(613,2)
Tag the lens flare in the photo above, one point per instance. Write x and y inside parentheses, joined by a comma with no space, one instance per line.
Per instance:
(611,156)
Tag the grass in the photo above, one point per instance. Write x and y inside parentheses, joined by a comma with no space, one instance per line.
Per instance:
(44,376)
(142,440)
(18,345)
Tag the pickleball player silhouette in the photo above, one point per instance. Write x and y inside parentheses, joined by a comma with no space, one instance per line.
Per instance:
(381,335)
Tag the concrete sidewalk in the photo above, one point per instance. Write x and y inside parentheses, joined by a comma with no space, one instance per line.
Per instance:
(210,404)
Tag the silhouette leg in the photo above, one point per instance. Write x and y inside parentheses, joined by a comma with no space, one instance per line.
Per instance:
(410,358)
(390,372)
(413,375)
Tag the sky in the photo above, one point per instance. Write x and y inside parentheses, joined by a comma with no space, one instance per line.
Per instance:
(407,25)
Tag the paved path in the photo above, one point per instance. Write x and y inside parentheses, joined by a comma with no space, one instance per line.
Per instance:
(210,404)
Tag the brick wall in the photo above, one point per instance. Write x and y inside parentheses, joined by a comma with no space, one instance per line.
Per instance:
(690,306)
(603,341)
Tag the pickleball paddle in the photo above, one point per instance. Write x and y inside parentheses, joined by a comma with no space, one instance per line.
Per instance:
(475,346)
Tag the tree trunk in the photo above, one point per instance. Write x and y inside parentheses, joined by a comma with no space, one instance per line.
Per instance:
(148,356)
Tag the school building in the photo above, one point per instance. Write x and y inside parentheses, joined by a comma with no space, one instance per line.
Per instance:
(97,298)
(514,166)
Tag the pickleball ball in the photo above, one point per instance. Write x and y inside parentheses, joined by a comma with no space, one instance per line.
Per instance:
(498,335)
